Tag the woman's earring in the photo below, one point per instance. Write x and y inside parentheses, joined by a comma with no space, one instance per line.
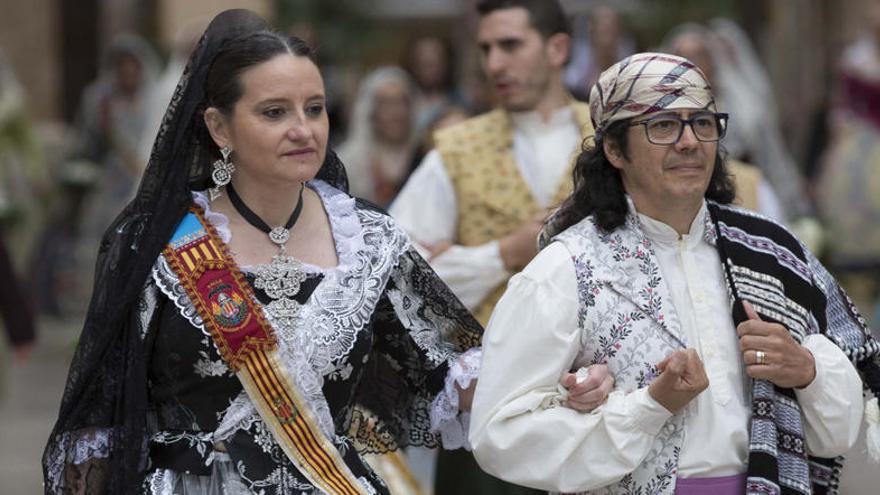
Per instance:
(222,173)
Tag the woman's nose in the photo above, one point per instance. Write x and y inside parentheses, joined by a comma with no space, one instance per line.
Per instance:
(299,131)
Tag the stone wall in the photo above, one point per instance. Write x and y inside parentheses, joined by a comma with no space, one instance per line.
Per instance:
(29,39)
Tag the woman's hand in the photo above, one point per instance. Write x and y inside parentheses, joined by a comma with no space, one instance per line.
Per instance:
(466,395)
(590,393)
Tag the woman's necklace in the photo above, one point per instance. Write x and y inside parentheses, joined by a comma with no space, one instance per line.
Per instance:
(281,279)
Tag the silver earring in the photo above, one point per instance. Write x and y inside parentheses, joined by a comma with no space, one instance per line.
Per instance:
(222,173)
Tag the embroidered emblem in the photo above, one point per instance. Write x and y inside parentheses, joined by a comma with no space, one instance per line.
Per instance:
(284,411)
(228,307)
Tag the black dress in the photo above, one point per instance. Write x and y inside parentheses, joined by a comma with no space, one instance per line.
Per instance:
(376,333)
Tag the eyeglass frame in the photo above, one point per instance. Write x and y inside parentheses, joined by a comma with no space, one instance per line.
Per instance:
(720,121)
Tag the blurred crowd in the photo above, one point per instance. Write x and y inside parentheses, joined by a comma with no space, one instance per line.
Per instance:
(62,184)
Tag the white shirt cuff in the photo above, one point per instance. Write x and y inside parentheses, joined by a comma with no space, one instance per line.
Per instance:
(832,403)
(647,414)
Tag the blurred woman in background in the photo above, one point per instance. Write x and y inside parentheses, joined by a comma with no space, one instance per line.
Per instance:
(382,138)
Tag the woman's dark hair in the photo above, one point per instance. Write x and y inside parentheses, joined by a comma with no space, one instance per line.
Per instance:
(598,187)
(223,86)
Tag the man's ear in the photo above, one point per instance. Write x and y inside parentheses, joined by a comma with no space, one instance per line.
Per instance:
(613,153)
(218,127)
(558,49)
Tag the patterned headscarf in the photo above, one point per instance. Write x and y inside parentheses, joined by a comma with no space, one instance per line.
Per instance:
(646,83)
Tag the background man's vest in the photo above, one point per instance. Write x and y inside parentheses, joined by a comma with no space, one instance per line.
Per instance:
(493,198)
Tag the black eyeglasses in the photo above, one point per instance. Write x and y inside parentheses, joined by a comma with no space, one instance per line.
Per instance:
(668,128)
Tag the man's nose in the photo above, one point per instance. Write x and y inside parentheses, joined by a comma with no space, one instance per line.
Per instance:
(687,140)
(494,61)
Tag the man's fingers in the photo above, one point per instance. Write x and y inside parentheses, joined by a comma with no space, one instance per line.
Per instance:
(662,364)
(695,374)
(758,372)
(756,342)
(678,363)
(675,365)
(693,364)
(750,357)
(756,327)
(750,311)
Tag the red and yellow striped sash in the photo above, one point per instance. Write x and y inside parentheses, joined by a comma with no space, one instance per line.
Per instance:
(247,344)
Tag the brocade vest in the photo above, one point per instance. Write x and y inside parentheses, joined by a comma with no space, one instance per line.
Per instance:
(627,321)
(493,198)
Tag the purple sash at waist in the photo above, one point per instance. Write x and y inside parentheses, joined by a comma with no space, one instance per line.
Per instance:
(724,485)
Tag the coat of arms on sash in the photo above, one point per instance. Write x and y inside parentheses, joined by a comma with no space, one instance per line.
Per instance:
(228,307)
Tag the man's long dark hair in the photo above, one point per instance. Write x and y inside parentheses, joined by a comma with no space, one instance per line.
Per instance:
(598,187)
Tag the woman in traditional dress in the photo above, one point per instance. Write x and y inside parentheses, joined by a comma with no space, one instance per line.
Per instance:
(247,309)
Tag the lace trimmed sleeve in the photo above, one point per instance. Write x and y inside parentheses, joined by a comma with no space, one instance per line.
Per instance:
(447,418)
(421,331)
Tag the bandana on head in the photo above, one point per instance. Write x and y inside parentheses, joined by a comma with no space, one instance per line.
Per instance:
(646,83)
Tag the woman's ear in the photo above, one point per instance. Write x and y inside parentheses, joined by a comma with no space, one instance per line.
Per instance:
(218,127)
(613,153)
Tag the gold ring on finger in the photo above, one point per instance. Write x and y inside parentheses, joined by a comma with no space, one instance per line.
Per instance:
(760,357)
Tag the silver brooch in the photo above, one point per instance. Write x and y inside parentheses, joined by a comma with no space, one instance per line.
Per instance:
(281,278)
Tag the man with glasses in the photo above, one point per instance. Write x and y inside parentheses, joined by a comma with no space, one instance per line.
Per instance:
(708,127)
(729,343)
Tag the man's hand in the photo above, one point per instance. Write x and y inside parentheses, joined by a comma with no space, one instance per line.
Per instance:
(521,245)
(786,363)
(590,393)
(681,379)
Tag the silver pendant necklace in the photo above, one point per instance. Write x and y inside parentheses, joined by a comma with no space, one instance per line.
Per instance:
(282,278)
